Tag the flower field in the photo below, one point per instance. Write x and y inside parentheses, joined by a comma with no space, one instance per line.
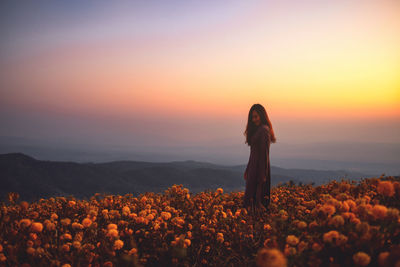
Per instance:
(342,223)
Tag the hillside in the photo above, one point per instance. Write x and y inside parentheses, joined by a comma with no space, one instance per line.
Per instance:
(34,179)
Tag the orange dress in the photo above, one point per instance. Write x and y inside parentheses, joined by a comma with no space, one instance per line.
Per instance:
(258,182)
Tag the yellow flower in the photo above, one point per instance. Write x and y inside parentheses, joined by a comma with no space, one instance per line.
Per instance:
(220,190)
(386,188)
(361,258)
(292,240)
(270,258)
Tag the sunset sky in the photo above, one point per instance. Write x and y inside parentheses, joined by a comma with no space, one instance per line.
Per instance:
(185,73)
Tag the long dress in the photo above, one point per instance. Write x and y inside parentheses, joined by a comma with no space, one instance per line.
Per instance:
(258,182)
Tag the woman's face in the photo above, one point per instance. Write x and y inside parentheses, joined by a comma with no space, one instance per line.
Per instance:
(255,118)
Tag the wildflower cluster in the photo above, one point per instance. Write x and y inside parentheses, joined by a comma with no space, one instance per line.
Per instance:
(337,224)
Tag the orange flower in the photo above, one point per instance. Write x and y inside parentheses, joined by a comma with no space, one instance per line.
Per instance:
(316,247)
(24,223)
(330,236)
(270,258)
(86,222)
(379,211)
(382,258)
(187,242)
(166,215)
(118,244)
(112,233)
(386,188)
(220,237)
(66,236)
(37,227)
(3,258)
(112,226)
(65,221)
(336,221)
(341,240)
(292,240)
(328,209)
(66,248)
(361,258)
(54,216)
(30,250)
(76,244)
(132,251)
(302,225)
(267,227)
(126,210)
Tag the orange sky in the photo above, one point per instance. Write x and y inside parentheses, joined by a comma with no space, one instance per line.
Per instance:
(318,61)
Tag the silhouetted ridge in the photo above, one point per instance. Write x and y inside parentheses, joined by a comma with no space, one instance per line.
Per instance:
(34,179)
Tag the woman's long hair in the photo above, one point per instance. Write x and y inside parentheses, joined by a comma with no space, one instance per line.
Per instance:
(251,127)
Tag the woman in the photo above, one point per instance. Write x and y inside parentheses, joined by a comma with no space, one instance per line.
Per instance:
(259,134)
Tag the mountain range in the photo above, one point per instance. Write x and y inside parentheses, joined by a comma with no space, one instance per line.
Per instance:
(34,179)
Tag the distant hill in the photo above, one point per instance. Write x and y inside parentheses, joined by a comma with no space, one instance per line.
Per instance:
(33,178)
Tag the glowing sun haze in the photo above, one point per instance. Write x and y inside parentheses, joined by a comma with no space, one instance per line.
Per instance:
(187,72)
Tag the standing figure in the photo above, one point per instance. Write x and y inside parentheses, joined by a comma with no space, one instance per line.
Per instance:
(259,135)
